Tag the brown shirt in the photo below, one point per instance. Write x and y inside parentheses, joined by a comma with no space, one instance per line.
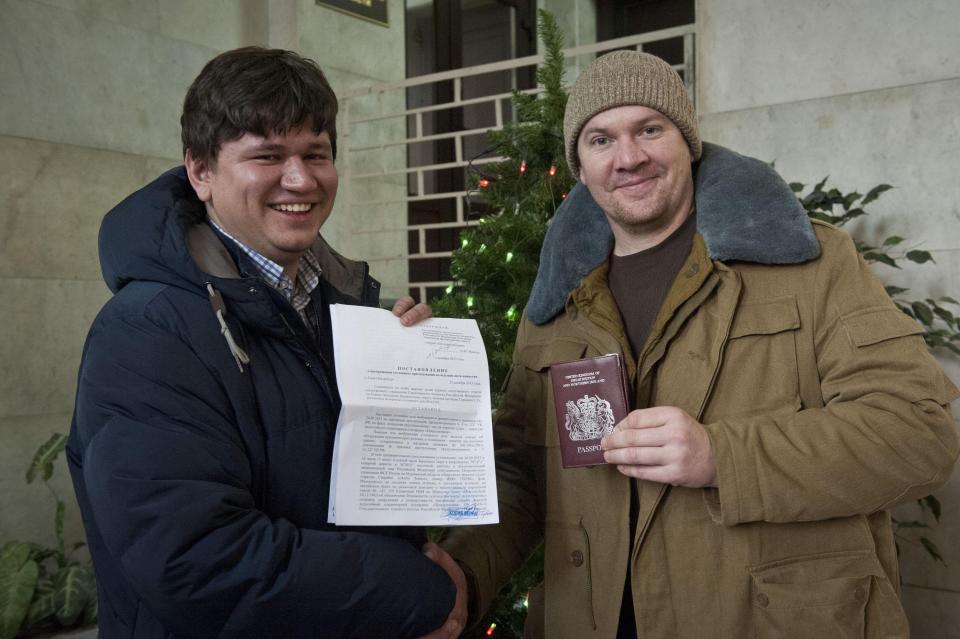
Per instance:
(640,281)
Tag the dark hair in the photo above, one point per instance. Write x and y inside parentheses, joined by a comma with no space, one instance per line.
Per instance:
(259,91)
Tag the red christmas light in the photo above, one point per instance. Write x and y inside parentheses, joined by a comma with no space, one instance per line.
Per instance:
(552,171)
(490,630)
(484,183)
(563,197)
(523,167)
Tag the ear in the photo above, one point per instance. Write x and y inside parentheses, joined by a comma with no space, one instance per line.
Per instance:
(580,174)
(200,175)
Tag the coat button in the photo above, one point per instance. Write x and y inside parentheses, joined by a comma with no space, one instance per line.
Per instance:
(860,594)
(693,270)
(576,558)
(307,364)
(253,290)
(762,600)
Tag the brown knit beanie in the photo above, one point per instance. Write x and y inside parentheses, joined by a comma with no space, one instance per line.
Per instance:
(624,78)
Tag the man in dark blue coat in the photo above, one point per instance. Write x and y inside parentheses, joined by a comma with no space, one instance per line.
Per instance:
(207,402)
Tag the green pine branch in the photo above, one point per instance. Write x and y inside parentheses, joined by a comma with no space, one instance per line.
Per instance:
(496,263)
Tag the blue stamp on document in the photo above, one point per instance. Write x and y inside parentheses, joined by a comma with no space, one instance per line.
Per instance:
(461,505)
(459,513)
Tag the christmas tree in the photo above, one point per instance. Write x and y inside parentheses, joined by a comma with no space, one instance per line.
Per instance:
(494,268)
(496,264)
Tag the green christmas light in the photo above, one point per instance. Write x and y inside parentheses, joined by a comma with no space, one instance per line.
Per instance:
(519,207)
(483,247)
(449,289)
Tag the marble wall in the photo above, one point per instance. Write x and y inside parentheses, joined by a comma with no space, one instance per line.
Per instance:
(865,92)
(90,99)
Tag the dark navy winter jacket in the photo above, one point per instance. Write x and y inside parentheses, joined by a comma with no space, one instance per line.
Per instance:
(204,487)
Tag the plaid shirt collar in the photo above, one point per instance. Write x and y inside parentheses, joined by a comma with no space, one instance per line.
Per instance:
(297,293)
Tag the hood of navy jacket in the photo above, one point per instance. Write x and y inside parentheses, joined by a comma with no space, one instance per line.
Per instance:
(159,234)
(139,238)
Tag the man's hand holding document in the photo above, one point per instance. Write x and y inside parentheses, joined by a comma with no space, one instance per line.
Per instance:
(414,444)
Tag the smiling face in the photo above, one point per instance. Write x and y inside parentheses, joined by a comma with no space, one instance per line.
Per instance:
(636,165)
(271,193)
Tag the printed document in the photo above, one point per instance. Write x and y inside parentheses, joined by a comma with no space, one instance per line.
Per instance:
(414,443)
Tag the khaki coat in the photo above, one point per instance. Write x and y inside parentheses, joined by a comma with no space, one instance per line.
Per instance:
(824,408)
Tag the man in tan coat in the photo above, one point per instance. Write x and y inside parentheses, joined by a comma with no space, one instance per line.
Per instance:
(782,403)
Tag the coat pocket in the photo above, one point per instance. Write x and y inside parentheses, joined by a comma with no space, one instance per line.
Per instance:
(880,335)
(814,597)
(541,420)
(874,325)
(759,369)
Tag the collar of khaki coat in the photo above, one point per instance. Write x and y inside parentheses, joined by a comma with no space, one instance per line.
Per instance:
(696,279)
(591,306)
(745,212)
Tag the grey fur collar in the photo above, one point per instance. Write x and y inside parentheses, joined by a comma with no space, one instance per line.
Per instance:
(745,212)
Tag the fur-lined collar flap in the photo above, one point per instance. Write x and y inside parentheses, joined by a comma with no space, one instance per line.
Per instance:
(745,212)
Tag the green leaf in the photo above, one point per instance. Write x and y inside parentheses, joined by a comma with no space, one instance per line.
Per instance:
(949,300)
(893,240)
(16,591)
(41,553)
(796,187)
(874,193)
(883,258)
(13,556)
(922,312)
(72,593)
(42,463)
(944,314)
(852,213)
(893,291)
(849,199)
(933,504)
(43,607)
(933,341)
(932,549)
(824,217)
(919,256)
(58,522)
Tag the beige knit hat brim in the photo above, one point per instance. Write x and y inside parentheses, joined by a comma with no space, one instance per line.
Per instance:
(623,78)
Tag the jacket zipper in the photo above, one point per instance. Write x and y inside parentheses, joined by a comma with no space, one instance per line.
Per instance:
(322,377)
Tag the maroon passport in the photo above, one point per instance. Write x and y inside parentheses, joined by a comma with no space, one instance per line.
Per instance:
(590,397)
